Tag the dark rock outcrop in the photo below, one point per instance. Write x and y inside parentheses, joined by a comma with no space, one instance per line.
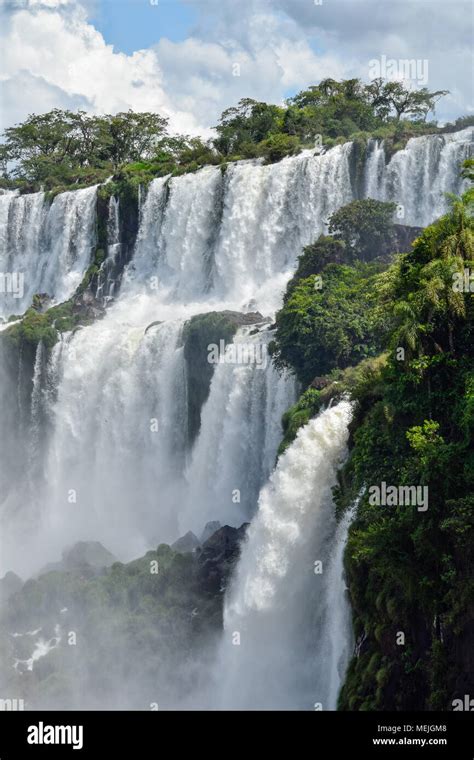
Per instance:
(218,556)
(405,236)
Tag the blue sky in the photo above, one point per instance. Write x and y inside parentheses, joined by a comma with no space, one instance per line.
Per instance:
(191,59)
(135,24)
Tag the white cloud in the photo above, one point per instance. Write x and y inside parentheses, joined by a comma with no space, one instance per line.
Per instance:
(36,95)
(53,55)
(63,51)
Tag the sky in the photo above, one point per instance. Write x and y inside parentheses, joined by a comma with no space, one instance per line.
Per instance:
(191,59)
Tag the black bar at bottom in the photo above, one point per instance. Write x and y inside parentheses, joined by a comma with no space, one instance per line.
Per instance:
(128,734)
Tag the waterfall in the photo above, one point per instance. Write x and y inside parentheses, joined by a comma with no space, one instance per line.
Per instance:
(105,411)
(36,403)
(275,628)
(235,237)
(210,240)
(239,437)
(418,176)
(116,456)
(113,229)
(336,640)
(49,246)
(106,276)
(117,448)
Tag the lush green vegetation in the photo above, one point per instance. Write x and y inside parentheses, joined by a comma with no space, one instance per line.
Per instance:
(331,110)
(61,148)
(307,406)
(331,327)
(331,317)
(408,570)
(366,229)
(133,626)
(144,632)
(45,324)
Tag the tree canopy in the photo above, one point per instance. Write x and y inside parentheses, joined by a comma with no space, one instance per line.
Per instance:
(62,147)
(366,228)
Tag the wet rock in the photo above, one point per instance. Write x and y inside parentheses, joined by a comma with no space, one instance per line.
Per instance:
(218,556)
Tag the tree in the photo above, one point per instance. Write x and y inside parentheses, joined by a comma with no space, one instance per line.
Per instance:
(326,250)
(388,96)
(249,121)
(276,147)
(366,227)
(427,308)
(59,144)
(133,136)
(323,328)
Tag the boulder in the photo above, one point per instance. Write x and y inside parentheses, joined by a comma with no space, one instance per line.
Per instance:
(218,556)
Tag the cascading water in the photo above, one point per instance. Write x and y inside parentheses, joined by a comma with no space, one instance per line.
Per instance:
(106,282)
(48,246)
(233,238)
(271,656)
(418,176)
(110,401)
(334,616)
(240,432)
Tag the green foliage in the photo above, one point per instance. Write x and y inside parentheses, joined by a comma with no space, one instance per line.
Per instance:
(393,96)
(62,148)
(134,625)
(333,314)
(419,431)
(329,323)
(365,227)
(36,325)
(33,328)
(248,122)
(326,250)
(428,310)
(276,147)
(307,406)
